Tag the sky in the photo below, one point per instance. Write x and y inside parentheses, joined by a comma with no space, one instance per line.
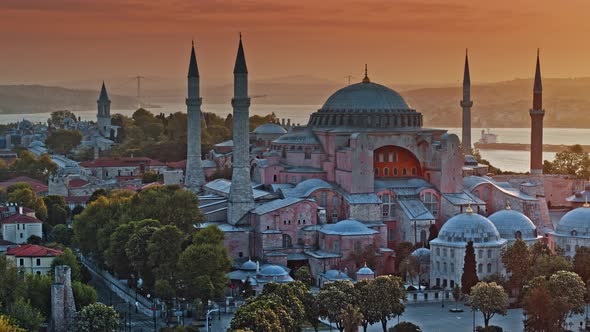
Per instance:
(403,42)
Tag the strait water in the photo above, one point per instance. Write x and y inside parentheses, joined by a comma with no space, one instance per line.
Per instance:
(299,114)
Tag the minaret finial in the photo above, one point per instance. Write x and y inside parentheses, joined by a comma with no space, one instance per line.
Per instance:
(469,209)
(240,36)
(508,205)
(366,78)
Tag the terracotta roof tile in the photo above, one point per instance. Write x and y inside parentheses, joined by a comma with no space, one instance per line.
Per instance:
(32,250)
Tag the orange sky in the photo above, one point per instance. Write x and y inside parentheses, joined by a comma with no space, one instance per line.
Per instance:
(410,41)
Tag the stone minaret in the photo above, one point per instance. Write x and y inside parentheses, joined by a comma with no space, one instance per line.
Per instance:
(103,117)
(195,178)
(537,113)
(241,198)
(466,103)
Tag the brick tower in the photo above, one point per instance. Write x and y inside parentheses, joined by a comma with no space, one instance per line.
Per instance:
(537,113)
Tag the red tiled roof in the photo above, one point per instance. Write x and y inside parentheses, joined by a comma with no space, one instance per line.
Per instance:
(177,164)
(127,177)
(130,187)
(77,183)
(6,243)
(38,186)
(122,162)
(33,250)
(151,185)
(20,219)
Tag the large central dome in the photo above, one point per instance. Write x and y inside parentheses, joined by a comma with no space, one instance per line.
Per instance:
(366,105)
(365,96)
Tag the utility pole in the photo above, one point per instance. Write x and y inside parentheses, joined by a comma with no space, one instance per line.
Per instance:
(138,78)
(349,77)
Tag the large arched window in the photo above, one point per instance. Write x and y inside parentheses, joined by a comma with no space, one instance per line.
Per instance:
(431,202)
(388,205)
(287,241)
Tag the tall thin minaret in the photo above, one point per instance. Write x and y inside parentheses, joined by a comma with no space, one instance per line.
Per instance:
(537,113)
(241,198)
(466,103)
(195,178)
(103,117)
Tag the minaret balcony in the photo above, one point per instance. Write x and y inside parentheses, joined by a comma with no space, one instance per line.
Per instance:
(540,112)
(193,101)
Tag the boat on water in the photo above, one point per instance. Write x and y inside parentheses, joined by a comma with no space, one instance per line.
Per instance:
(489,141)
(487,137)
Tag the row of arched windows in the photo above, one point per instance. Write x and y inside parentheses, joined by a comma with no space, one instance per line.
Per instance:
(385,171)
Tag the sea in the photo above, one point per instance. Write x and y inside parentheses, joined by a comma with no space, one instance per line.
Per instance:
(517,161)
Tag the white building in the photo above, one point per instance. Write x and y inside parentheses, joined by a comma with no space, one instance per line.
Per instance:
(572,231)
(30,258)
(447,251)
(19,227)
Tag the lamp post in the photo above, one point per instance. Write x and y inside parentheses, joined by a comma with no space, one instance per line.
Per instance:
(153,312)
(139,283)
(209,312)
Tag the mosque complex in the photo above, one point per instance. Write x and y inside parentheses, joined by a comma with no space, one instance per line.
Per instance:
(337,195)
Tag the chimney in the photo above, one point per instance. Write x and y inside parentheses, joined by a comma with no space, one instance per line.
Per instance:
(20,210)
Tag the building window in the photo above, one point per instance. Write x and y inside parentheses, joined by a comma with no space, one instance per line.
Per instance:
(240,254)
(324,199)
(336,246)
(444,252)
(287,241)
(38,261)
(357,247)
(376,172)
(489,253)
(24,226)
(404,171)
(480,253)
(445,267)
(386,171)
(452,253)
(574,233)
(568,248)
(21,235)
(479,268)
(381,157)
(395,171)
(274,178)
(489,267)
(518,235)
(307,153)
(438,251)
(452,269)
(334,215)
(21,262)
(438,266)
(431,202)
(390,235)
(388,205)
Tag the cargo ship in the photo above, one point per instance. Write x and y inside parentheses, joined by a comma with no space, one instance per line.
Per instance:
(489,141)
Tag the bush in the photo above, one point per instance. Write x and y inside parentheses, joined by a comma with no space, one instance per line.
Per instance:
(491,328)
(405,327)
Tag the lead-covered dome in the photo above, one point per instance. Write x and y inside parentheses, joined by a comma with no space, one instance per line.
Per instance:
(466,227)
(513,225)
(272,271)
(575,222)
(366,105)
(348,227)
(269,128)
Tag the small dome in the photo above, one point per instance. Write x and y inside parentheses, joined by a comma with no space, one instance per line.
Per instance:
(300,137)
(248,266)
(467,227)
(509,222)
(348,227)
(575,222)
(35,144)
(422,254)
(365,270)
(272,271)
(365,96)
(336,275)
(470,160)
(270,128)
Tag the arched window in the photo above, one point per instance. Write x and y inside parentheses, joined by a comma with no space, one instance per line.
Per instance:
(480,253)
(431,202)
(287,241)
(334,215)
(404,171)
(489,267)
(574,233)
(357,247)
(489,253)
(438,251)
(452,267)
(479,268)
(423,238)
(307,153)
(387,205)
(274,178)
(395,171)
(386,171)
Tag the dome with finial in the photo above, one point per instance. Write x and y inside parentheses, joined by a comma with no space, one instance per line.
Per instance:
(468,226)
(248,266)
(575,222)
(365,270)
(513,225)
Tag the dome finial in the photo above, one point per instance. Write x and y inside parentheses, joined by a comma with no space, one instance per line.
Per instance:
(508,205)
(586,205)
(469,209)
(366,78)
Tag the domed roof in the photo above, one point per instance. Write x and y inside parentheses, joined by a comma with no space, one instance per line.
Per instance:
(422,254)
(365,96)
(467,227)
(269,128)
(348,227)
(300,137)
(365,270)
(336,275)
(272,271)
(577,220)
(508,222)
(248,266)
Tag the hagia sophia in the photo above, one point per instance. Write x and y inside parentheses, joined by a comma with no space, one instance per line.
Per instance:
(365,174)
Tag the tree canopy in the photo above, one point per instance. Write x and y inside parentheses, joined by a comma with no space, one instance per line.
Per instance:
(97,317)
(62,141)
(573,161)
(490,299)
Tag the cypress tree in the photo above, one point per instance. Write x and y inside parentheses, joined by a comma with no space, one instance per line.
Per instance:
(432,234)
(469,277)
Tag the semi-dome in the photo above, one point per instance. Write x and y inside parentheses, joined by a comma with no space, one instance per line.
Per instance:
(575,222)
(366,105)
(348,227)
(269,128)
(513,224)
(336,275)
(272,271)
(467,227)
(365,270)
(248,266)
(423,255)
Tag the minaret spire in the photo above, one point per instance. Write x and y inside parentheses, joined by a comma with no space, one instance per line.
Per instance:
(241,198)
(194,178)
(103,115)
(466,104)
(537,113)
(366,78)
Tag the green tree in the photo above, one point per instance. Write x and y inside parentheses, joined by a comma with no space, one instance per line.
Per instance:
(541,316)
(25,315)
(57,118)
(457,294)
(163,250)
(260,316)
(469,277)
(582,263)
(164,291)
(26,197)
(69,258)
(364,298)
(62,141)
(7,326)
(116,256)
(402,250)
(9,281)
(573,161)
(136,249)
(84,295)
(490,299)
(312,309)
(97,317)
(405,327)
(151,176)
(37,290)
(547,265)
(202,266)
(96,194)
(351,318)
(333,297)
(388,294)
(290,296)
(302,274)
(517,260)
(57,210)
(61,234)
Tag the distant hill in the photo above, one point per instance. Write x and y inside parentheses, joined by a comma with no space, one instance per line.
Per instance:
(16,99)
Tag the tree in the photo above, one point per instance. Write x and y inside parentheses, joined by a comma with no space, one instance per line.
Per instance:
(25,315)
(517,260)
(83,294)
(202,266)
(97,317)
(432,234)
(96,194)
(61,234)
(57,118)
(405,327)
(34,239)
(364,297)
(351,318)
(302,274)
(490,299)
(163,250)
(457,295)
(137,247)
(259,316)
(26,197)
(312,309)
(69,258)
(547,265)
(387,295)
(333,298)
(63,141)
(539,308)
(9,279)
(57,210)
(37,289)
(164,291)
(469,277)
(402,250)
(151,176)
(582,263)
(539,248)
(7,326)
(573,161)
(290,296)
(409,268)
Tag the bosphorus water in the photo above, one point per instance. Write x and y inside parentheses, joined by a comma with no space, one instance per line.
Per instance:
(517,161)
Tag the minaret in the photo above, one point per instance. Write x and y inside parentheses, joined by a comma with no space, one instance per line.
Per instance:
(537,113)
(241,198)
(103,117)
(195,177)
(466,103)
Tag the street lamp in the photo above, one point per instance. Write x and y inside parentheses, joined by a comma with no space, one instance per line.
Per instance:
(153,312)
(209,312)
(139,283)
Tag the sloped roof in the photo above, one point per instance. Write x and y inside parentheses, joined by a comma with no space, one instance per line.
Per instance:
(414,209)
(20,219)
(33,250)
(276,204)
(37,185)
